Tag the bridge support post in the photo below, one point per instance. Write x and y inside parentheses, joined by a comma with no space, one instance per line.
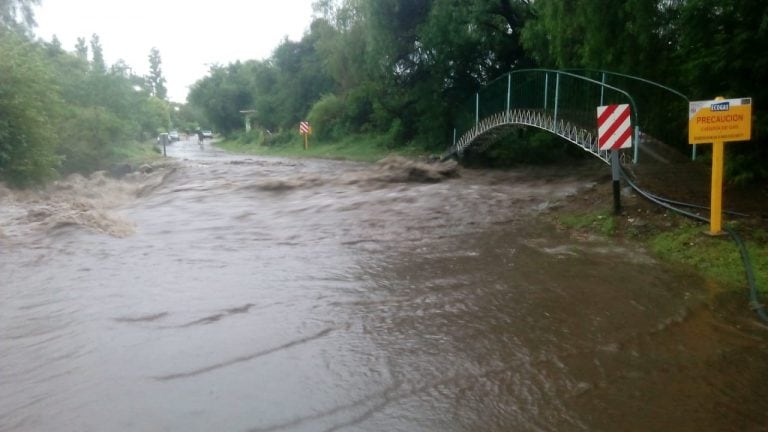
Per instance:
(616,177)
(636,143)
(509,90)
(557,96)
(602,90)
(477,109)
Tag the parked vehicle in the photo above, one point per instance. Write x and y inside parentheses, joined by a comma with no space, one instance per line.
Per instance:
(207,133)
(173,136)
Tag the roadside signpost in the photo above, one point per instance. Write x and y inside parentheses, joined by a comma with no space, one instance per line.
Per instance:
(164,142)
(719,121)
(614,132)
(306,130)
(247,114)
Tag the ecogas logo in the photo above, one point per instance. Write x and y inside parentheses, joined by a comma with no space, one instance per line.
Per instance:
(722,106)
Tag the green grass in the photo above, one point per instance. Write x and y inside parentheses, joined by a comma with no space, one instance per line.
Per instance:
(599,222)
(135,153)
(716,257)
(359,148)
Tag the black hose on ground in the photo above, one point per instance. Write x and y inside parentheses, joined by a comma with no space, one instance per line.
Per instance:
(754,302)
(694,206)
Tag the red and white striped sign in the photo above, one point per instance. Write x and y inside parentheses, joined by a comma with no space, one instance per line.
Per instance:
(614,127)
(304,128)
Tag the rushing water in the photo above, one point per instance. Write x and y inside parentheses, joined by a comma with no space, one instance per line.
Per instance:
(251,294)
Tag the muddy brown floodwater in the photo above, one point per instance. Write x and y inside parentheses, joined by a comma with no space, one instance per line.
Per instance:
(253,294)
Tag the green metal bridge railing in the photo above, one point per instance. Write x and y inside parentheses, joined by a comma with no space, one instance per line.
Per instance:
(565,103)
(664,108)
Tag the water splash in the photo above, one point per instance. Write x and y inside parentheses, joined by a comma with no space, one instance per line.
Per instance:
(92,202)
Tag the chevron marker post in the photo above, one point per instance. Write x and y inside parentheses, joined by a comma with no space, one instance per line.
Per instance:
(614,127)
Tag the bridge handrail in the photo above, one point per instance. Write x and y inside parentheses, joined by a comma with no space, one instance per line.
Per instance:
(608,86)
(646,81)
(625,94)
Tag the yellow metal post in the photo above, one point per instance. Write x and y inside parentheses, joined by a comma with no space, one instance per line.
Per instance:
(716,202)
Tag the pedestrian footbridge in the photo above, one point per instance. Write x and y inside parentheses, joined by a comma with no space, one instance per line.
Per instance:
(564,102)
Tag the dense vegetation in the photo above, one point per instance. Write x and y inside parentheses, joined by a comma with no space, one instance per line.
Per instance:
(390,72)
(396,69)
(63,112)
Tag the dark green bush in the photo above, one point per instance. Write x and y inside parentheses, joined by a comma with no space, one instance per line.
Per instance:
(29,102)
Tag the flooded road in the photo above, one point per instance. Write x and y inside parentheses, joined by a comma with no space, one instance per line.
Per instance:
(253,294)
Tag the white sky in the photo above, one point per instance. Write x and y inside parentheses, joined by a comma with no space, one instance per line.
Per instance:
(191,35)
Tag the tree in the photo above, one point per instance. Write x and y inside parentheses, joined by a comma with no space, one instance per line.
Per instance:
(700,48)
(56,43)
(396,67)
(17,14)
(402,69)
(222,95)
(716,51)
(301,77)
(155,78)
(121,68)
(58,112)
(102,111)
(81,49)
(28,109)
(626,37)
(97,53)
(281,90)
(424,57)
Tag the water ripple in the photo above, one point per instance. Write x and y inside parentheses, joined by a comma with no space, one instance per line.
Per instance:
(245,358)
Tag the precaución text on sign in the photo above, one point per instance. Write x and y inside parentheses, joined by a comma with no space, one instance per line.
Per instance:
(720,120)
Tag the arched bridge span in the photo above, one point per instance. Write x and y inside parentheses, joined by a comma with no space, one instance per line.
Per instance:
(563,103)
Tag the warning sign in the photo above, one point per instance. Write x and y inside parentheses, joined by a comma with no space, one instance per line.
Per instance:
(720,120)
(614,127)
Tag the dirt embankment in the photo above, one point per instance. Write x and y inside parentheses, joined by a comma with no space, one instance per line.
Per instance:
(667,173)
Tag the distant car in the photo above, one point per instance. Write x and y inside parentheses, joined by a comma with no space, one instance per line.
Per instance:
(207,133)
(173,136)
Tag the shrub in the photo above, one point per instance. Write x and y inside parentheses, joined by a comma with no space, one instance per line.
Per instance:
(327,118)
(28,99)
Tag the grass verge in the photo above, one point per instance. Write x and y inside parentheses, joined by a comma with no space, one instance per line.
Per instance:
(680,241)
(359,148)
(600,222)
(716,257)
(135,153)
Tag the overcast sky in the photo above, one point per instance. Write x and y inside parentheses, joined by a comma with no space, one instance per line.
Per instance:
(190,35)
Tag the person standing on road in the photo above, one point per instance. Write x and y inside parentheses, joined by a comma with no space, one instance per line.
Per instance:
(200,137)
